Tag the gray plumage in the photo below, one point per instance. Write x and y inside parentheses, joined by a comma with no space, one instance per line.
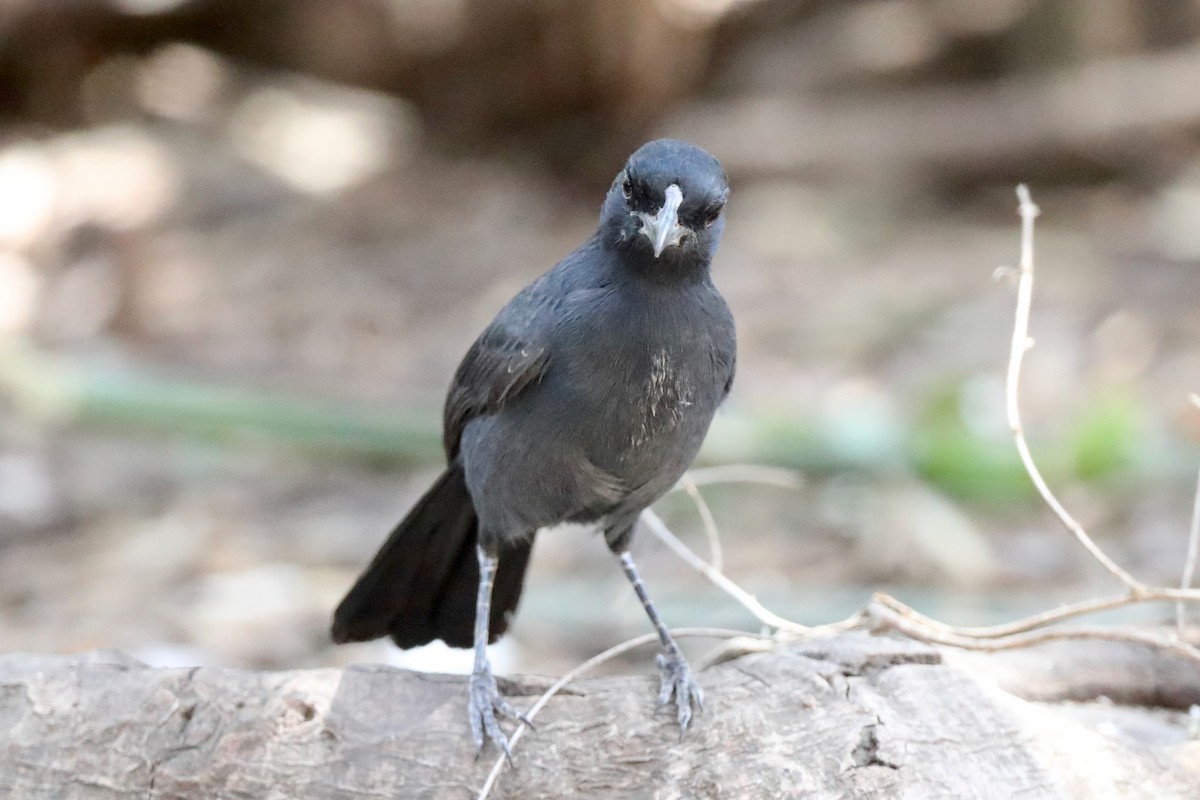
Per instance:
(584,401)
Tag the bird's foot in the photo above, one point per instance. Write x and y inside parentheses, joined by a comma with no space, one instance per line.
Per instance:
(677,685)
(484,705)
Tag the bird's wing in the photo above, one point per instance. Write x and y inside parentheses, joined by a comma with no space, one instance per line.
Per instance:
(508,356)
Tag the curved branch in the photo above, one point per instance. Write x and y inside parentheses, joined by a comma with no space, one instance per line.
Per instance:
(1020,344)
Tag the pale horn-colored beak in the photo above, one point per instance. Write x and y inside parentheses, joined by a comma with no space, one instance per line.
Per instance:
(663,229)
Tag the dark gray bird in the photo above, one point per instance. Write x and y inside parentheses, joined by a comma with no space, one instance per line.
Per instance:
(584,401)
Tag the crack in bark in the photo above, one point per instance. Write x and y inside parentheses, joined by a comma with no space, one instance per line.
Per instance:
(866,752)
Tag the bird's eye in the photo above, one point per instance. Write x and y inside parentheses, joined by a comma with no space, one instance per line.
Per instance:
(627,188)
(711,216)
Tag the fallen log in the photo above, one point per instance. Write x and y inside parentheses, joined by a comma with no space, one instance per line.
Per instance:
(852,716)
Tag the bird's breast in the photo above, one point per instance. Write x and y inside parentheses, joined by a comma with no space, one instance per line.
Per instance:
(641,384)
(661,395)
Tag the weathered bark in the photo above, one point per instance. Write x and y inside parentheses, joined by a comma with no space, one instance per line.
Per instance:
(854,716)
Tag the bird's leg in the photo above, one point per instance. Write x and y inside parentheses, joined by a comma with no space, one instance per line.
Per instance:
(677,680)
(485,698)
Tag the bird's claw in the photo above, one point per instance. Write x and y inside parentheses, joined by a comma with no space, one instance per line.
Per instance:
(485,703)
(677,685)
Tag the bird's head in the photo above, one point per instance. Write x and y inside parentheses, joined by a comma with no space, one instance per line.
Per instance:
(667,204)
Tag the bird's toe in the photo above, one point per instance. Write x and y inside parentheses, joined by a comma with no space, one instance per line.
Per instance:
(485,702)
(677,686)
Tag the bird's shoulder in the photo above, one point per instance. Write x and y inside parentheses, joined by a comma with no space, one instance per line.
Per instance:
(514,349)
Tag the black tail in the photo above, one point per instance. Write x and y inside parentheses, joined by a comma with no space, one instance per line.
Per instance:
(423,582)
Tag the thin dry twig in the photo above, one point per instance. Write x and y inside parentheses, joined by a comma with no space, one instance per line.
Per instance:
(889,612)
(1045,618)
(731,473)
(1020,344)
(885,617)
(717,558)
(1193,551)
(765,616)
(587,666)
(746,473)
(1189,564)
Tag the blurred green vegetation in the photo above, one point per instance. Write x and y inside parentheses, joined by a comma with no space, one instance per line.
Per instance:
(1105,445)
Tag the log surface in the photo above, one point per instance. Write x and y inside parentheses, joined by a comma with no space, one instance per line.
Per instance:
(849,717)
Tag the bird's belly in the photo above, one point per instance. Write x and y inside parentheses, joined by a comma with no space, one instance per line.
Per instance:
(649,424)
(646,434)
(564,455)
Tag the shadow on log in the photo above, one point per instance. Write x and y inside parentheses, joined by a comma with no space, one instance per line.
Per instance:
(853,716)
